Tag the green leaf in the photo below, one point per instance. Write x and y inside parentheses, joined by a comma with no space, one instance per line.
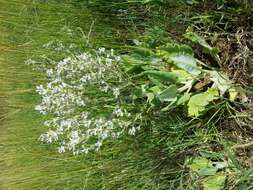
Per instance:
(186,62)
(182,75)
(221,81)
(199,163)
(244,186)
(181,56)
(134,69)
(135,63)
(215,182)
(133,60)
(156,82)
(155,89)
(169,94)
(142,51)
(161,75)
(174,48)
(203,167)
(195,38)
(183,99)
(198,102)
(208,171)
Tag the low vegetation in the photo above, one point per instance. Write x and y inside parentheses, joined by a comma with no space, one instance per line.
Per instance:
(166,103)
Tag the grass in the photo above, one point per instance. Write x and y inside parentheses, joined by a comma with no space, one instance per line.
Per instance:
(25,163)
(153,160)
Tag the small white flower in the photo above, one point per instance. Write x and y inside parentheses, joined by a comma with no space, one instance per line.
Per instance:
(116,92)
(50,72)
(40,109)
(132,131)
(98,145)
(101,50)
(118,112)
(61,149)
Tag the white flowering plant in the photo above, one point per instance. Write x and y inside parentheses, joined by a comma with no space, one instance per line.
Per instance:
(83,97)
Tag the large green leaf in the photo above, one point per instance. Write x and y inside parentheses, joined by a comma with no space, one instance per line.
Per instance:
(198,102)
(161,75)
(202,166)
(181,56)
(169,94)
(133,60)
(135,63)
(186,62)
(174,48)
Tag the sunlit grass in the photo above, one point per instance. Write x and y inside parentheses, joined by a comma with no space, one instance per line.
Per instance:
(25,163)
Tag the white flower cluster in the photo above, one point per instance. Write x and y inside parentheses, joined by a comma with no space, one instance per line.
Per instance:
(83,97)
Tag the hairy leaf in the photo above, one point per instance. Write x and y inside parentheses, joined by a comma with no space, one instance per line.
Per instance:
(186,62)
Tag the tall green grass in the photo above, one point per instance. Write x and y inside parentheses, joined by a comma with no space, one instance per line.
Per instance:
(25,163)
